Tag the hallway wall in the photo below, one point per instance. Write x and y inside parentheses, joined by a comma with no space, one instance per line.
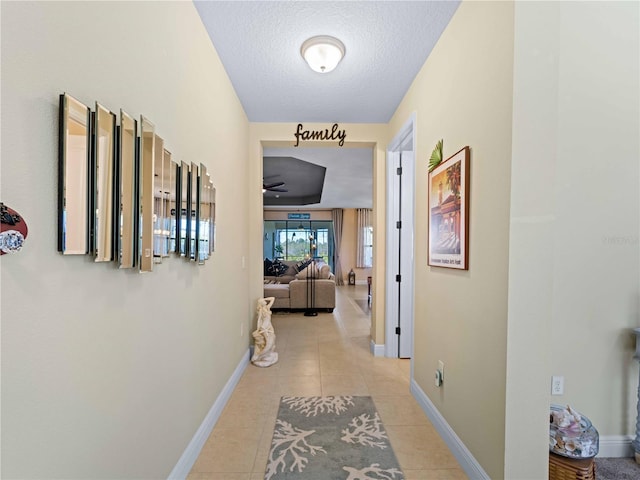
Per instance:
(552,118)
(463,95)
(574,277)
(108,373)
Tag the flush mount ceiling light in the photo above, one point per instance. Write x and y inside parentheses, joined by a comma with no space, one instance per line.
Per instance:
(322,53)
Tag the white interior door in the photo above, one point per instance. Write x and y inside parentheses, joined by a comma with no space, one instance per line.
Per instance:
(399,255)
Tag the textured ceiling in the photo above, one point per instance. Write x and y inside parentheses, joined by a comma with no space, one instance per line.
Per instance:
(386,42)
(348,181)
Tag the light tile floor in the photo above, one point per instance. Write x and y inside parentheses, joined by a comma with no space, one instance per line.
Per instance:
(323,355)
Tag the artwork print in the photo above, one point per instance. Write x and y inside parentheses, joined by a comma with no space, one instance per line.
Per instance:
(448,212)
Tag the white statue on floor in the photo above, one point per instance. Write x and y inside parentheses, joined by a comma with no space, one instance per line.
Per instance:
(264,353)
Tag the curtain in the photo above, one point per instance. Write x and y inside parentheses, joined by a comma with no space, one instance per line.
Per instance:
(336,216)
(364,243)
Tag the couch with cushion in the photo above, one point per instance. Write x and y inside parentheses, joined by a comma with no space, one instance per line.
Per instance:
(291,283)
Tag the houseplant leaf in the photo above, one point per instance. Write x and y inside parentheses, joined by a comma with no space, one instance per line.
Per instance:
(436,156)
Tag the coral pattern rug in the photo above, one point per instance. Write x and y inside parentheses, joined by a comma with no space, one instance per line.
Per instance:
(321,438)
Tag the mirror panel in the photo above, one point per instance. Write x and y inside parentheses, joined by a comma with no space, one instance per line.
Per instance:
(183,219)
(73,176)
(193,212)
(158,200)
(168,202)
(212,222)
(173,195)
(204,216)
(147,143)
(103,176)
(127,191)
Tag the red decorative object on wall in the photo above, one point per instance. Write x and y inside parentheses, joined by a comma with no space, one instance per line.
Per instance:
(13,230)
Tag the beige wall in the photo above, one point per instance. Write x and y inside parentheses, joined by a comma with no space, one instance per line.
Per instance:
(575,219)
(349,249)
(463,95)
(108,373)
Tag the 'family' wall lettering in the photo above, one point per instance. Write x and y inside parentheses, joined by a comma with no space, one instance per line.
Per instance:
(326,134)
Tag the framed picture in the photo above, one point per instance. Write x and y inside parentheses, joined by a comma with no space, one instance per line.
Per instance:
(449,212)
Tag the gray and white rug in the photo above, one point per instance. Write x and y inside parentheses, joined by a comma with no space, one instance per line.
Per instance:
(321,438)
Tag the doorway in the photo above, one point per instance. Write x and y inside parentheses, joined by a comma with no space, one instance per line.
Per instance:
(400,234)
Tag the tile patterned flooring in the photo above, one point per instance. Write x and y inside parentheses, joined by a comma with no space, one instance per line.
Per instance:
(323,355)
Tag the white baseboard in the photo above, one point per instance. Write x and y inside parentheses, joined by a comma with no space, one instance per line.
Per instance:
(616,446)
(376,349)
(468,463)
(190,455)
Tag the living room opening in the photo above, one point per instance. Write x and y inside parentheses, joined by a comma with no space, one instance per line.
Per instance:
(299,240)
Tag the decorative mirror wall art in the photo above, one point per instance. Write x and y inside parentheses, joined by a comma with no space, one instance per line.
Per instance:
(73,176)
(172,203)
(158,200)
(104,145)
(127,191)
(184,220)
(212,220)
(147,149)
(202,241)
(192,233)
(122,197)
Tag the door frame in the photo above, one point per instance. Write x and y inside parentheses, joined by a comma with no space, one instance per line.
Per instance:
(404,140)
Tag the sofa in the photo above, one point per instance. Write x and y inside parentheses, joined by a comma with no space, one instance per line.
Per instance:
(290,283)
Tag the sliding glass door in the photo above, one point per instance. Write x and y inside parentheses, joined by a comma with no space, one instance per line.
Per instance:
(299,240)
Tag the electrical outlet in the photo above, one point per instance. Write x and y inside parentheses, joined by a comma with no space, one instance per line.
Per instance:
(557,385)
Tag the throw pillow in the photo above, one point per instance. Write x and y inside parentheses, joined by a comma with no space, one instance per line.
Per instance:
(278,268)
(324,271)
(301,265)
(267,267)
(308,272)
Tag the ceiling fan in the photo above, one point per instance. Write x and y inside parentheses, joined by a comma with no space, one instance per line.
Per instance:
(273,187)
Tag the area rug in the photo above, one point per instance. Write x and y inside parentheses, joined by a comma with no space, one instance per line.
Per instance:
(617,469)
(321,438)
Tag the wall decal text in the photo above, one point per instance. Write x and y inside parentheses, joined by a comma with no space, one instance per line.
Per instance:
(326,134)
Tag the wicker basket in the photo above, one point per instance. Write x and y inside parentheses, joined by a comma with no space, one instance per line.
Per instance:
(562,468)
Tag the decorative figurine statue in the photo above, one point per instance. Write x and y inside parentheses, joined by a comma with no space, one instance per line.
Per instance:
(264,354)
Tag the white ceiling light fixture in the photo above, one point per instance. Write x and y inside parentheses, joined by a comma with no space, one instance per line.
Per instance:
(322,53)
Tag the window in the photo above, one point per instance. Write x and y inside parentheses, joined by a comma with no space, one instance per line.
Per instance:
(290,240)
(365,238)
